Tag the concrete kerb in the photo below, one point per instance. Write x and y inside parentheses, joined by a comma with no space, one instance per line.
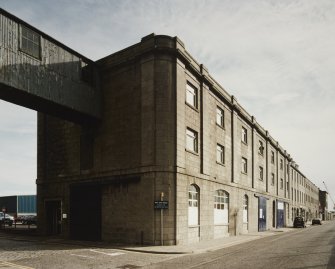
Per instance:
(206,246)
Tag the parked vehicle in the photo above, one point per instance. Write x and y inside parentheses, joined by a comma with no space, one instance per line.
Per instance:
(6,218)
(316,222)
(27,219)
(299,222)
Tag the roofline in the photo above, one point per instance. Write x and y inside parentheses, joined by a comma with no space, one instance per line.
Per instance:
(44,35)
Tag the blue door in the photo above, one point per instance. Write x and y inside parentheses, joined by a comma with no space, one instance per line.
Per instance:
(280,214)
(261,214)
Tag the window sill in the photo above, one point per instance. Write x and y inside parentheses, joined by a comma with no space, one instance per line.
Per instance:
(192,107)
(221,127)
(245,143)
(219,163)
(30,55)
(193,226)
(192,152)
(244,173)
(221,224)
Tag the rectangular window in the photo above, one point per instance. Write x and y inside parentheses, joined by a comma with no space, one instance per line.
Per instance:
(281,183)
(191,95)
(219,116)
(272,179)
(220,154)
(261,173)
(191,140)
(244,135)
(260,147)
(272,157)
(30,42)
(281,164)
(244,167)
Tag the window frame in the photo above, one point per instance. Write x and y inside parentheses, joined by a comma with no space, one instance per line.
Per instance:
(28,36)
(221,207)
(244,165)
(244,135)
(220,154)
(191,96)
(261,147)
(261,173)
(272,179)
(193,202)
(220,117)
(245,210)
(272,157)
(194,141)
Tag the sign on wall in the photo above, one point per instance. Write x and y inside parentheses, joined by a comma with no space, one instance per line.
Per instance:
(161,204)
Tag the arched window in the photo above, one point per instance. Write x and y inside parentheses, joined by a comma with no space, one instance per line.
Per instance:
(221,207)
(245,208)
(193,205)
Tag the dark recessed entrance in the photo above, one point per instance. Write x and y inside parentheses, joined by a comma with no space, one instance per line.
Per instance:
(85,213)
(274,214)
(261,214)
(53,215)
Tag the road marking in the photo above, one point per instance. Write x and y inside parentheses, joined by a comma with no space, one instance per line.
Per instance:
(15,265)
(109,254)
(83,256)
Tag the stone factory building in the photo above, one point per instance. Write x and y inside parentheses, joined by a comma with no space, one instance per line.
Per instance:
(167,136)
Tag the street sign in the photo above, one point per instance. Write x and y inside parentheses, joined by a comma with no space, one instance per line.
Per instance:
(161,204)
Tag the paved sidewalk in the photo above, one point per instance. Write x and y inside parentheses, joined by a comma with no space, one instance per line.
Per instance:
(201,247)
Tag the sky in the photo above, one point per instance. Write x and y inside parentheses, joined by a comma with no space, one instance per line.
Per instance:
(276,57)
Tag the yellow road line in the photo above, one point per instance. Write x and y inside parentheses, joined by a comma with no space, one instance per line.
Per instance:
(15,265)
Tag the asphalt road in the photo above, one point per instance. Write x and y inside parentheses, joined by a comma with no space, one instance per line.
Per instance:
(312,247)
(24,254)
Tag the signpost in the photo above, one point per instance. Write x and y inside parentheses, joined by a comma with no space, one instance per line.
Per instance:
(161,205)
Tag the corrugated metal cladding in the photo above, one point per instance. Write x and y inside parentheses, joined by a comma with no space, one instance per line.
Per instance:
(26,204)
(55,77)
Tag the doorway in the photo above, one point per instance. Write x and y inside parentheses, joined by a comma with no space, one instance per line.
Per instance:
(280,214)
(274,214)
(53,215)
(85,212)
(261,214)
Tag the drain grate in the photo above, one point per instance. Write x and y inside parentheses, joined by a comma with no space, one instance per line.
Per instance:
(128,266)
